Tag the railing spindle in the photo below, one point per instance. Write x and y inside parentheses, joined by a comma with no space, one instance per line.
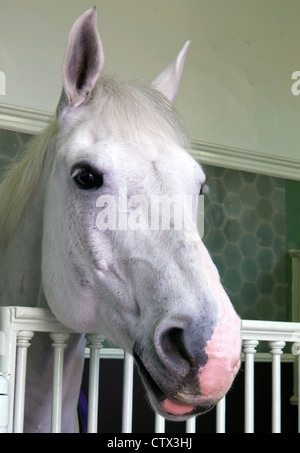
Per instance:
(249,348)
(276,351)
(127,393)
(59,342)
(159,423)
(23,343)
(4,403)
(221,416)
(190,426)
(95,344)
(296,352)
(17,327)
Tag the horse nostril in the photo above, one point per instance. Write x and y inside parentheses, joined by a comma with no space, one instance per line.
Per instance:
(171,348)
(173,340)
(180,344)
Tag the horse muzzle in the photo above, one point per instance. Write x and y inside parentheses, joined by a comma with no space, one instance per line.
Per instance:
(193,368)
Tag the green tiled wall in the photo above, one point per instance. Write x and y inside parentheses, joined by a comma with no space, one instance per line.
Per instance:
(244,231)
(292,232)
(245,234)
(11,145)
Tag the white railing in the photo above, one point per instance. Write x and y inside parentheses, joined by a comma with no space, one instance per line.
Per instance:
(18,326)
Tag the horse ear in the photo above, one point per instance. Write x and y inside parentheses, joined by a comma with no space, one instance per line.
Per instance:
(168,81)
(83,61)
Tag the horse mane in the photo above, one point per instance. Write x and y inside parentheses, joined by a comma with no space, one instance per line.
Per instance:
(20,182)
(126,110)
(131,111)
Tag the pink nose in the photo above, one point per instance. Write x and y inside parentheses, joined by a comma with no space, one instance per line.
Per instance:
(216,378)
(223,359)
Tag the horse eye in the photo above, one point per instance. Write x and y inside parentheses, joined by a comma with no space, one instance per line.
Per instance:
(86,178)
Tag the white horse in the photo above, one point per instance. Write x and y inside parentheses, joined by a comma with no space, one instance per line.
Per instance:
(153,292)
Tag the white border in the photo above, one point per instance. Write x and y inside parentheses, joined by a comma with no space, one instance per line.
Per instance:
(21,119)
(245,160)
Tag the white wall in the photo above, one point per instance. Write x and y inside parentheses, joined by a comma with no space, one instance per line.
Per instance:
(236,87)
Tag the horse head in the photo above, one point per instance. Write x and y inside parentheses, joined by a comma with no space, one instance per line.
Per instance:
(106,267)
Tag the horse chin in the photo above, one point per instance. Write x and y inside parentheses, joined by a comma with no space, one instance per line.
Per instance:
(169,408)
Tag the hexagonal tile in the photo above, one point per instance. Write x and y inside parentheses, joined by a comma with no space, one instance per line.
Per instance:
(278,199)
(265,259)
(251,313)
(264,308)
(215,241)
(278,223)
(232,280)
(12,143)
(279,272)
(248,177)
(217,191)
(264,210)
(265,283)
(215,172)
(249,294)
(232,180)
(279,295)
(232,255)
(248,195)
(220,263)
(232,230)
(249,245)
(265,185)
(278,245)
(249,221)
(232,205)
(207,227)
(215,215)
(249,270)
(264,235)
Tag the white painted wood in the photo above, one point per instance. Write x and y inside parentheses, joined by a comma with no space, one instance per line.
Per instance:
(276,351)
(4,403)
(4,413)
(23,343)
(221,416)
(23,119)
(127,393)
(159,424)
(59,342)
(249,348)
(298,361)
(8,348)
(296,352)
(95,344)
(222,155)
(191,425)
(2,84)
(21,322)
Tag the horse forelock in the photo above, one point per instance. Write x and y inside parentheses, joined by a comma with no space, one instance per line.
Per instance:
(129,111)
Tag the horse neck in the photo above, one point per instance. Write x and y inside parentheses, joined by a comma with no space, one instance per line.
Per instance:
(21,285)
(20,262)
(20,258)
